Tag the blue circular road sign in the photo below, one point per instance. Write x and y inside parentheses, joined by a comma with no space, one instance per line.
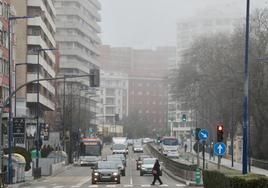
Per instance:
(203,134)
(219,148)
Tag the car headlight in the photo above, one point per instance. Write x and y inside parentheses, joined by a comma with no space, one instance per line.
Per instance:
(143,168)
(115,174)
(96,173)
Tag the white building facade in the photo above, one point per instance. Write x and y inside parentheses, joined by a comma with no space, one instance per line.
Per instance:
(113,102)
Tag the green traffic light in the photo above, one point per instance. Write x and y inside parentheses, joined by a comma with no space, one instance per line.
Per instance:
(184,119)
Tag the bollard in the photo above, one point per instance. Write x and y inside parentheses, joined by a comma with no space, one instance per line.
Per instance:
(197,176)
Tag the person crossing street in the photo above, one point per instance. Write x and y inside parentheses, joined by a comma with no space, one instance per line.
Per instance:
(156,172)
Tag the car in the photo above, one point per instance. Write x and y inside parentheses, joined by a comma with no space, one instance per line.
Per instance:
(120,164)
(121,156)
(139,161)
(138,148)
(120,149)
(105,171)
(147,166)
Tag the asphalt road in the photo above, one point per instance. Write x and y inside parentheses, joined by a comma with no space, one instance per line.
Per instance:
(80,177)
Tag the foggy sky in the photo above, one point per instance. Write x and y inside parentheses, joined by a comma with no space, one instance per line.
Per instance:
(151,23)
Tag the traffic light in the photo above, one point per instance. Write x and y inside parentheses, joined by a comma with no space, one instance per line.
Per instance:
(184,118)
(220,133)
(196,133)
(94,78)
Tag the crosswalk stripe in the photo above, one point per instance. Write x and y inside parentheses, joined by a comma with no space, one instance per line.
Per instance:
(110,185)
(180,185)
(59,186)
(75,186)
(93,186)
(145,185)
(128,185)
(164,185)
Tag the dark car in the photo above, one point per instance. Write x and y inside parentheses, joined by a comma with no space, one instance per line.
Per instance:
(121,156)
(105,171)
(119,162)
(139,161)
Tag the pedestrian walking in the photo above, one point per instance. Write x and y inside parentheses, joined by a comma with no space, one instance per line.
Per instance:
(156,172)
(185,148)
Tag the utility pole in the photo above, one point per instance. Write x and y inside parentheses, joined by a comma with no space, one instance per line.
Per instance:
(246,94)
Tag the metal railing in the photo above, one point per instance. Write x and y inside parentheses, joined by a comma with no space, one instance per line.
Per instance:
(185,171)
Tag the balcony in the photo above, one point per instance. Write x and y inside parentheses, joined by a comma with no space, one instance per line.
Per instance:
(74,65)
(45,102)
(39,3)
(71,11)
(76,38)
(90,7)
(37,40)
(45,84)
(84,30)
(37,21)
(32,59)
(80,54)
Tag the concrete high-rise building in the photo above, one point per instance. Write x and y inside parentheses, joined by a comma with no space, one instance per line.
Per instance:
(31,36)
(78,41)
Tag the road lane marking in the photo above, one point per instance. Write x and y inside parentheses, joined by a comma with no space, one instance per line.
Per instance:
(180,185)
(58,186)
(146,185)
(83,181)
(93,186)
(128,185)
(110,185)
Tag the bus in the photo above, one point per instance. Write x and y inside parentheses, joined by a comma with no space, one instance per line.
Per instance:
(90,150)
(169,146)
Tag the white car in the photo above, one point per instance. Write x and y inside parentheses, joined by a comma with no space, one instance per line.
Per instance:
(138,148)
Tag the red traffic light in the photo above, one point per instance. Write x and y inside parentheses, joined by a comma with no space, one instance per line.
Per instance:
(220,127)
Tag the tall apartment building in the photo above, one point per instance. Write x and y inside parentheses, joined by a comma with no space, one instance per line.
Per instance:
(78,41)
(31,36)
(113,100)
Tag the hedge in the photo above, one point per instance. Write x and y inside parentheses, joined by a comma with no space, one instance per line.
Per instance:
(233,179)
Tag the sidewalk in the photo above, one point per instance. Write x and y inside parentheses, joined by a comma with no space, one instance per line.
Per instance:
(225,162)
(30,179)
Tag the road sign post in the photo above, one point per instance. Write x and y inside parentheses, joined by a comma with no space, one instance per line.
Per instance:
(203,136)
(219,150)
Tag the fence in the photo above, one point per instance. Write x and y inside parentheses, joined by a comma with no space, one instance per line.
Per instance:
(185,171)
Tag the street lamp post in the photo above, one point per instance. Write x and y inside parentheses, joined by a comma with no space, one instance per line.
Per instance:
(246,94)
(10,122)
(38,136)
